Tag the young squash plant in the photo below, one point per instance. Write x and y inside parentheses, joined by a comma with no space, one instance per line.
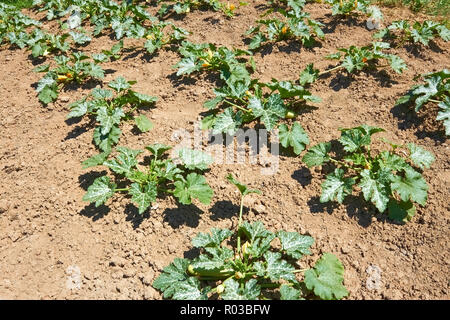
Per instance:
(422,33)
(110,107)
(161,34)
(13,26)
(355,59)
(185,6)
(252,270)
(358,58)
(160,176)
(243,101)
(436,89)
(207,57)
(388,179)
(295,24)
(349,7)
(73,69)
(42,43)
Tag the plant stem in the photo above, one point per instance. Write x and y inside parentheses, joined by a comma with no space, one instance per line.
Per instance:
(299,270)
(330,70)
(435,101)
(123,189)
(239,225)
(237,106)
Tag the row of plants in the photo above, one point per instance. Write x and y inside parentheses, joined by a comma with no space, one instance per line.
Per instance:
(249,262)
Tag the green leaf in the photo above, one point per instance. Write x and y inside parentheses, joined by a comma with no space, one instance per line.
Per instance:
(95,71)
(213,239)
(272,111)
(317,155)
(424,92)
(109,119)
(80,38)
(78,109)
(144,98)
(120,84)
(227,122)
(419,156)
(375,189)
(254,230)
(143,196)
(289,293)
(336,186)
(190,290)
(100,190)
(296,137)
(102,94)
(195,186)
(105,142)
(233,291)
(444,114)
(205,264)
(124,162)
(411,187)
(243,189)
(186,66)
(391,161)
(397,63)
(276,268)
(99,57)
(157,149)
(42,68)
(326,278)
(195,159)
(401,211)
(353,139)
(309,75)
(95,160)
(48,94)
(143,123)
(172,276)
(287,89)
(294,244)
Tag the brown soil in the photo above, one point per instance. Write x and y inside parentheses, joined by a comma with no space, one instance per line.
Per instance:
(47,230)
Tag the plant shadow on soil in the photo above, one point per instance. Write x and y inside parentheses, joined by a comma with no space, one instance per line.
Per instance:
(418,50)
(302,176)
(424,122)
(79,129)
(225,209)
(342,80)
(332,22)
(356,207)
(188,215)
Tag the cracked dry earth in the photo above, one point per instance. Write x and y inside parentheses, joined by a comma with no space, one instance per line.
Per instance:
(55,246)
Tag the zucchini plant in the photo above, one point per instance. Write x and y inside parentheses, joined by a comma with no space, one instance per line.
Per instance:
(13,25)
(348,7)
(358,58)
(295,24)
(42,43)
(185,6)
(110,107)
(388,179)
(208,57)
(404,32)
(160,176)
(245,264)
(436,89)
(73,69)
(355,59)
